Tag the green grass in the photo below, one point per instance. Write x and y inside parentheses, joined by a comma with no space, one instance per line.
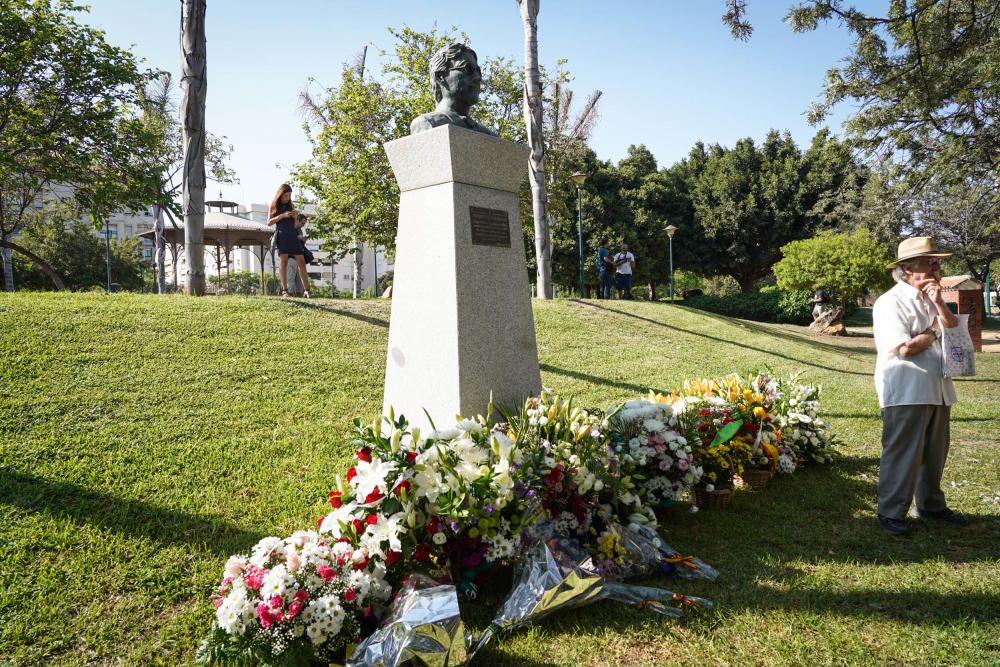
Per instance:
(144,439)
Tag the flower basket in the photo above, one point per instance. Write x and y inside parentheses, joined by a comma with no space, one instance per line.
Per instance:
(710,500)
(756,478)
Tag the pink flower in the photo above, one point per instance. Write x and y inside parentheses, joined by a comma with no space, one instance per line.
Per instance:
(301,595)
(294,561)
(276,602)
(683,465)
(665,464)
(294,609)
(254,577)
(264,614)
(660,448)
(350,595)
(326,572)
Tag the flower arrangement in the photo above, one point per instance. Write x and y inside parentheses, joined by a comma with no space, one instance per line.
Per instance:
(460,500)
(806,436)
(294,600)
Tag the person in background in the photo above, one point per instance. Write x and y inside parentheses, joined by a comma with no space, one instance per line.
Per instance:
(913,393)
(605,270)
(282,215)
(624,263)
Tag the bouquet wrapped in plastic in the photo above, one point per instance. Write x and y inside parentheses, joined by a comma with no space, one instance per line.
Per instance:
(424,627)
(557,575)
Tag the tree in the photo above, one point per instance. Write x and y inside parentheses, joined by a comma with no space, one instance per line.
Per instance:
(69,119)
(160,115)
(533,112)
(842,264)
(68,245)
(194,85)
(346,125)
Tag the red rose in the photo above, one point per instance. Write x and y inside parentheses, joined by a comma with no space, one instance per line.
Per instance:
(422,553)
(364,454)
(411,457)
(371,519)
(351,473)
(392,557)
(404,485)
(335,500)
(433,525)
(373,496)
(359,526)
(302,594)
(350,595)
(319,522)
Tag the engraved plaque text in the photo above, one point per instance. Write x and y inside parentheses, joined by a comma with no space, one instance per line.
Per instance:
(490,227)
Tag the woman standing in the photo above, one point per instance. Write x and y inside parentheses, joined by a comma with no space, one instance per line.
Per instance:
(282,214)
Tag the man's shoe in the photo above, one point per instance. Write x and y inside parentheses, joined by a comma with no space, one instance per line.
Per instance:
(946,515)
(893,526)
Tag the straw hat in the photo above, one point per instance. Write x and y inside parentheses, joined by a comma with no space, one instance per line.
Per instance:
(918,246)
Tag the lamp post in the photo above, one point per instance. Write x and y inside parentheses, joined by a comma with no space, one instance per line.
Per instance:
(579,178)
(107,252)
(671,230)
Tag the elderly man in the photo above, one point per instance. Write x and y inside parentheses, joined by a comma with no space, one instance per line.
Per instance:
(914,395)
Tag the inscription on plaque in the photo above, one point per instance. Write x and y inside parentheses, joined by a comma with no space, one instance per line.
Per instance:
(490,227)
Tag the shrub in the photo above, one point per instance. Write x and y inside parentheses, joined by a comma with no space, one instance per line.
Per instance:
(768,305)
(721,286)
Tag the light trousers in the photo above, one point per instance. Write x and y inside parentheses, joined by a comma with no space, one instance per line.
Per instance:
(915,440)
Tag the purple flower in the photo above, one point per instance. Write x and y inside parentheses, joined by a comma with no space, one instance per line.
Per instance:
(489,509)
(531,493)
(454,526)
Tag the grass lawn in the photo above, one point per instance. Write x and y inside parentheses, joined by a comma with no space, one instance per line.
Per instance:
(144,439)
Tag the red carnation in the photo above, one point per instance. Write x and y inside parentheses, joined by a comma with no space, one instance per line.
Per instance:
(351,473)
(302,594)
(324,571)
(294,609)
(350,595)
(371,519)
(392,557)
(364,454)
(411,457)
(374,496)
(319,522)
(404,485)
(276,602)
(335,500)
(362,565)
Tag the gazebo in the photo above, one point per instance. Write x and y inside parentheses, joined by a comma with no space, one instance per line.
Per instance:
(222,233)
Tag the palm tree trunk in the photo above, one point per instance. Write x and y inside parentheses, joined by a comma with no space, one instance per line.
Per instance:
(536,162)
(159,251)
(8,267)
(194,83)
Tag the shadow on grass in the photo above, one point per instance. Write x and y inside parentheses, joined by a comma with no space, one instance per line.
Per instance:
(134,518)
(779,332)
(308,305)
(730,342)
(596,380)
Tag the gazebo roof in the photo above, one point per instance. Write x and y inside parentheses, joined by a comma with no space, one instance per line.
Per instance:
(224,230)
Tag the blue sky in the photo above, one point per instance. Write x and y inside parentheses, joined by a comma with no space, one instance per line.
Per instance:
(670,72)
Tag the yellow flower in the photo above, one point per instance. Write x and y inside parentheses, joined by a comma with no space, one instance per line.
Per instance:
(759,412)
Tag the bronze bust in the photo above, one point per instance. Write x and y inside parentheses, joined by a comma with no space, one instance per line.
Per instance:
(455,81)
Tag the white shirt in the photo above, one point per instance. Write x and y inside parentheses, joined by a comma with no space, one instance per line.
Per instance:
(625,267)
(899,315)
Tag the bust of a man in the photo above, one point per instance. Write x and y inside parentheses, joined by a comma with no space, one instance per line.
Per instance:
(455,81)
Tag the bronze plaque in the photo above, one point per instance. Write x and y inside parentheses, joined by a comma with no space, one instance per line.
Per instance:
(490,227)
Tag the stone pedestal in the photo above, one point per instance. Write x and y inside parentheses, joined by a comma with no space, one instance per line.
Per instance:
(461,324)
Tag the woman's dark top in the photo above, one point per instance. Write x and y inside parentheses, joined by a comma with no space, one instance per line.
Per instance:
(288,238)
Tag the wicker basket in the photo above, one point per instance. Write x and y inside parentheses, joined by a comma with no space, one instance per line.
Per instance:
(756,478)
(710,500)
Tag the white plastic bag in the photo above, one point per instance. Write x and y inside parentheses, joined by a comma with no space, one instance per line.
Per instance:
(959,354)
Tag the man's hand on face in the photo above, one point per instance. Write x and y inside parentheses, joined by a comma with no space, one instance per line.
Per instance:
(930,287)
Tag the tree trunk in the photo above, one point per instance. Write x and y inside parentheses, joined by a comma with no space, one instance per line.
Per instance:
(536,162)
(8,267)
(42,264)
(194,83)
(159,251)
(359,262)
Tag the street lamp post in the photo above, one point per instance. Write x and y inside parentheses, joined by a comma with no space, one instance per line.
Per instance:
(671,230)
(579,178)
